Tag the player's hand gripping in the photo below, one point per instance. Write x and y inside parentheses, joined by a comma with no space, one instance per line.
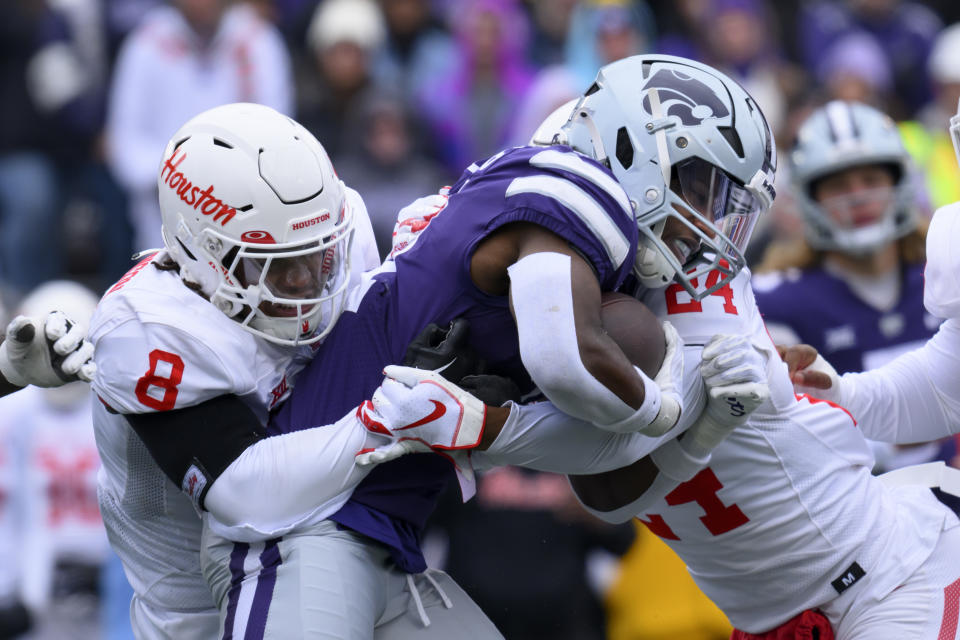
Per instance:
(736,378)
(46,352)
(418,411)
(668,379)
(810,373)
(414,218)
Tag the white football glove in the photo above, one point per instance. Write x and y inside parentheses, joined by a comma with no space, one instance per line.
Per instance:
(735,374)
(418,410)
(668,379)
(414,218)
(46,353)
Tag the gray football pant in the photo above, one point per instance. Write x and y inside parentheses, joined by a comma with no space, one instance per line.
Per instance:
(333,584)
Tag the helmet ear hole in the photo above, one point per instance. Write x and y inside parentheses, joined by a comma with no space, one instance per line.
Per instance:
(624,148)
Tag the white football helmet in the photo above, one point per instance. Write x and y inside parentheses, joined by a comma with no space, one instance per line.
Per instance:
(685,142)
(839,136)
(254,214)
(78,303)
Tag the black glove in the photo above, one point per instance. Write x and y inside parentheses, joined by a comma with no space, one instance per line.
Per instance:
(490,389)
(14,620)
(445,351)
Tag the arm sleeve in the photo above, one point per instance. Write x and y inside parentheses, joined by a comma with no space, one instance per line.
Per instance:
(254,485)
(282,480)
(541,292)
(540,436)
(914,398)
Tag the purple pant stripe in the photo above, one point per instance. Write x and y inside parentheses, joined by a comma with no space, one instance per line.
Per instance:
(269,561)
(237,556)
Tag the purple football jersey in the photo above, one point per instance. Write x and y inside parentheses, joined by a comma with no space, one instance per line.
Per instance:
(554,187)
(853,336)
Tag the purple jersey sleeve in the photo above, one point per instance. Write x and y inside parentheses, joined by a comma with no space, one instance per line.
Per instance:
(554,187)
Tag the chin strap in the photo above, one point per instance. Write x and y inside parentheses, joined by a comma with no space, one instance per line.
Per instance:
(650,265)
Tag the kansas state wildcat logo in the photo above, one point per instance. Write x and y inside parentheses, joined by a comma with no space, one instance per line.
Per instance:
(684,97)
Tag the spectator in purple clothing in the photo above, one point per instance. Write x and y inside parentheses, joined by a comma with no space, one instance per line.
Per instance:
(742,42)
(855,68)
(906,30)
(471,112)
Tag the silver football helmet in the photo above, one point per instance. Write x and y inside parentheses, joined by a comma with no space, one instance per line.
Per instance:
(688,143)
(840,136)
(255,215)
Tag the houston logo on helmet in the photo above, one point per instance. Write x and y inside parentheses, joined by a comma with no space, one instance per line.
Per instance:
(202,200)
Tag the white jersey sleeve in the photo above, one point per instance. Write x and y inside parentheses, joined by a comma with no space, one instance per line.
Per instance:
(541,437)
(157,367)
(288,481)
(941,291)
(914,398)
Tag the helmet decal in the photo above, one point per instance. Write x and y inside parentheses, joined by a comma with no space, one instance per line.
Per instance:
(258,237)
(201,200)
(684,96)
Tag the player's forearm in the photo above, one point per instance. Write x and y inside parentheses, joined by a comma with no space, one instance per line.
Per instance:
(282,480)
(914,398)
(541,437)
(563,346)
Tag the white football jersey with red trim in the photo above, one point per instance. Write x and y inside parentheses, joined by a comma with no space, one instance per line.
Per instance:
(787,515)
(51,444)
(161,346)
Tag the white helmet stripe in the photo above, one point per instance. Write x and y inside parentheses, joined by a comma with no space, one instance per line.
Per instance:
(553,159)
(580,203)
(840,120)
(663,156)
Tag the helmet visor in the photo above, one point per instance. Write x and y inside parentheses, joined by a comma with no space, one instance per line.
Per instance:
(730,207)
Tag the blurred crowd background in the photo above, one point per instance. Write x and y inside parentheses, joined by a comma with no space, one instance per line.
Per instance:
(404,94)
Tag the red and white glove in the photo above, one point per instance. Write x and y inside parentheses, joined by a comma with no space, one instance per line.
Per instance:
(419,410)
(414,218)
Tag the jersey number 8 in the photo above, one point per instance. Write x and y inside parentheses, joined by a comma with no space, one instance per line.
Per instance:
(168,383)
